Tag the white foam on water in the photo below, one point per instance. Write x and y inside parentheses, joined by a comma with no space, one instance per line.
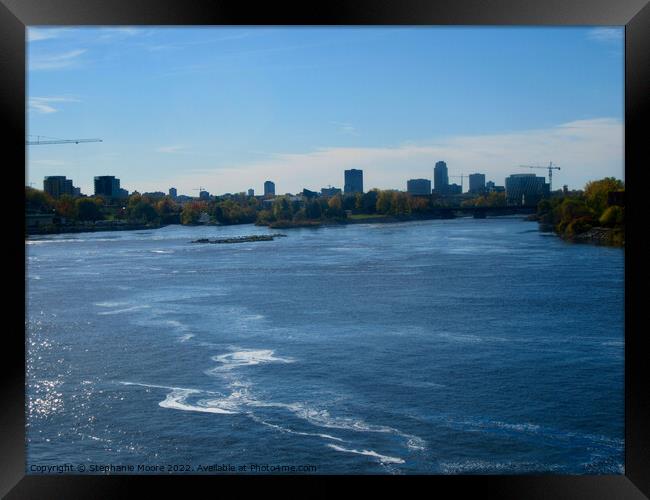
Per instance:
(128,309)
(247,358)
(162,251)
(369,453)
(177,400)
(110,304)
(291,431)
(185,337)
(322,418)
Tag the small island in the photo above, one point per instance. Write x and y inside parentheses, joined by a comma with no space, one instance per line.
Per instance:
(242,239)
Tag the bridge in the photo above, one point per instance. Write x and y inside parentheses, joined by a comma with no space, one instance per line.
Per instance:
(482,212)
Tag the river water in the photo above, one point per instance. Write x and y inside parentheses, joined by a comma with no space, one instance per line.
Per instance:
(440,347)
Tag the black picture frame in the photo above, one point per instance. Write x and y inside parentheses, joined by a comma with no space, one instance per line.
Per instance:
(15,15)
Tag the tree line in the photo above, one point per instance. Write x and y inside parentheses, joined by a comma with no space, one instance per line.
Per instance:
(598,205)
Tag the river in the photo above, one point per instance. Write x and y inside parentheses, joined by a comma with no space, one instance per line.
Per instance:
(461,346)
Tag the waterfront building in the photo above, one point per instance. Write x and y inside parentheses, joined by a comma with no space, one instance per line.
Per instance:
(476,183)
(122,193)
(57,185)
(269,188)
(353,181)
(440,178)
(251,192)
(525,189)
(330,191)
(173,192)
(107,185)
(418,186)
(454,189)
(204,195)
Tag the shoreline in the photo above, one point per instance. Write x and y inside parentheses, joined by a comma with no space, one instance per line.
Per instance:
(47,230)
(392,219)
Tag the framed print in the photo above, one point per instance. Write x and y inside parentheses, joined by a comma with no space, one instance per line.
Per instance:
(327,242)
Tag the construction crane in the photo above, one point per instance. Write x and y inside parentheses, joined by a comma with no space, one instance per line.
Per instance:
(550,168)
(461,177)
(200,190)
(53,140)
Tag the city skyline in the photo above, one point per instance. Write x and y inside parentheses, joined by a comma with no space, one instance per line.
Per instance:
(226,109)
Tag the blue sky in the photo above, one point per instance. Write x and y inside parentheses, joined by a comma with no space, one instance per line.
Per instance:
(227,108)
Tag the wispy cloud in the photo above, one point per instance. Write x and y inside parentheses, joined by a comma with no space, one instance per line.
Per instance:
(56,61)
(39,34)
(346,128)
(584,149)
(153,47)
(44,104)
(606,34)
(121,32)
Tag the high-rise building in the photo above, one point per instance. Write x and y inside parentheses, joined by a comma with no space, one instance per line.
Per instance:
(107,185)
(476,183)
(251,192)
(353,181)
(57,185)
(418,186)
(173,192)
(269,188)
(454,189)
(525,189)
(440,178)
(204,195)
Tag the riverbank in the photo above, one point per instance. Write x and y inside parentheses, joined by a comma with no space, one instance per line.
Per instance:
(88,228)
(596,236)
(614,237)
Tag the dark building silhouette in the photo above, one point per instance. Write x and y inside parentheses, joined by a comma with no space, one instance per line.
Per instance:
(330,191)
(57,185)
(418,186)
(269,188)
(525,189)
(309,194)
(476,183)
(173,193)
(440,178)
(353,181)
(108,186)
(251,192)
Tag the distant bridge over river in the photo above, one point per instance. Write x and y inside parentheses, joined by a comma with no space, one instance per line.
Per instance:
(482,212)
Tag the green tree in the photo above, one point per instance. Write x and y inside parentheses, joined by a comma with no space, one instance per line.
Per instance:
(596,193)
(399,203)
(192,211)
(89,209)
(384,202)
(66,207)
(38,201)
(313,210)
(335,206)
(282,209)
(612,216)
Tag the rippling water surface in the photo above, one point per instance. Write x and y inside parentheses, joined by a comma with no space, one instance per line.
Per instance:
(439,347)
